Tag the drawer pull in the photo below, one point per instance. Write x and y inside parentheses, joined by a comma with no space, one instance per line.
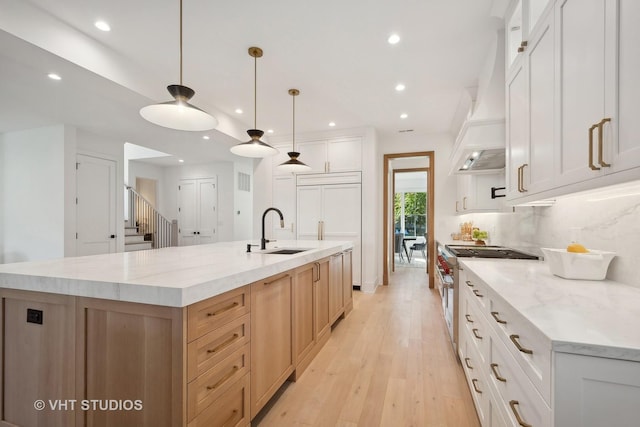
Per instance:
(475,386)
(469,284)
(499,320)
(222,310)
(468,318)
(494,368)
(475,333)
(224,344)
(466,362)
(477,293)
(231,417)
(514,340)
(513,404)
(223,379)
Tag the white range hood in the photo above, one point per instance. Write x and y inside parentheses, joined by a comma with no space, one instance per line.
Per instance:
(480,144)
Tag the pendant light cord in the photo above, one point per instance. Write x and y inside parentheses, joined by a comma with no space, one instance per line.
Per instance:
(180,42)
(294,123)
(255,92)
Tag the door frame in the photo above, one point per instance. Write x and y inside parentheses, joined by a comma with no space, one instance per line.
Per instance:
(387,206)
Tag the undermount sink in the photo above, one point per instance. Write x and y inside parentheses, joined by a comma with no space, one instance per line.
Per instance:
(285,251)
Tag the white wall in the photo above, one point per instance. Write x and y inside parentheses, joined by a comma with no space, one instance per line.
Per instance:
(34,192)
(138,169)
(607,219)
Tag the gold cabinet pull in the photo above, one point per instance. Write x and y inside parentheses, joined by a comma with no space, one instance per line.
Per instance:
(494,368)
(457,206)
(499,320)
(224,344)
(475,386)
(601,143)
(520,179)
(591,165)
(222,310)
(223,379)
(464,203)
(468,318)
(476,333)
(477,293)
(513,404)
(231,417)
(524,190)
(515,340)
(469,284)
(523,45)
(466,362)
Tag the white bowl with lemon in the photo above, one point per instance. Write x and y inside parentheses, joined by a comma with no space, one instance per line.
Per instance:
(578,262)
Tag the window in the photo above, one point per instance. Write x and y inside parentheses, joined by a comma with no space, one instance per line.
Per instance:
(410,213)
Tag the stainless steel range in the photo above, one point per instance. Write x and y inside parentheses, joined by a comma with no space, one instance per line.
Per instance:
(447,275)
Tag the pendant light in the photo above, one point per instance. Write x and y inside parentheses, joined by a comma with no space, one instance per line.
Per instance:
(293,164)
(254,147)
(179,114)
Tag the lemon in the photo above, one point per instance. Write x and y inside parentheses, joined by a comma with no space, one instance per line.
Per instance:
(577,247)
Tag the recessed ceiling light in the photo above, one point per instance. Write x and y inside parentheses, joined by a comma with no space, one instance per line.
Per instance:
(332,124)
(400,87)
(205,137)
(102,26)
(270,131)
(239,110)
(54,76)
(393,39)
(404,115)
(180,160)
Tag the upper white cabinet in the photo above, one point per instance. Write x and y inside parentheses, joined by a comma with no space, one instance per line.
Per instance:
(475,193)
(522,21)
(324,156)
(572,101)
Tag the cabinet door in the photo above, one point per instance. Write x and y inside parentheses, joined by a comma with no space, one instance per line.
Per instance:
(284,198)
(336,291)
(303,311)
(322,300)
(187,212)
(480,192)
(344,155)
(314,155)
(462,191)
(517,111)
(581,50)
(309,212)
(207,202)
(271,338)
(347,281)
(626,144)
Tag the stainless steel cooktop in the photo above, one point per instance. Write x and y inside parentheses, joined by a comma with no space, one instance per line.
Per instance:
(461,251)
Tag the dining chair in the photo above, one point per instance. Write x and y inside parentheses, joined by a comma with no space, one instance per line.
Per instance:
(398,245)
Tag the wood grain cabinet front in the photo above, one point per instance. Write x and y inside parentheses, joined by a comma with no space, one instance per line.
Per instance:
(230,410)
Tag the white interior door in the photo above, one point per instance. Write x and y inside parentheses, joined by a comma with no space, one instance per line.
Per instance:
(96,205)
(187,212)
(207,206)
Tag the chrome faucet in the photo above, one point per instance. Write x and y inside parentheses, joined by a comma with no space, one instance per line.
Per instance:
(263,241)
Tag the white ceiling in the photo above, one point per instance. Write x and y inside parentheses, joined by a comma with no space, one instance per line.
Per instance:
(334,51)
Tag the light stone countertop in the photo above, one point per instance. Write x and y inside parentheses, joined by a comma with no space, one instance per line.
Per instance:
(594,318)
(174,276)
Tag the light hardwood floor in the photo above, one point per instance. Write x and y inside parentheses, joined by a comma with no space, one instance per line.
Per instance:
(389,363)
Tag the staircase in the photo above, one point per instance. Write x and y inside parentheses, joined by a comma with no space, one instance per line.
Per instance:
(146,228)
(134,240)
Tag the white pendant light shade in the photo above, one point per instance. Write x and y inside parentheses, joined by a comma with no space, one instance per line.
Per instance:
(293,164)
(254,148)
(179,114)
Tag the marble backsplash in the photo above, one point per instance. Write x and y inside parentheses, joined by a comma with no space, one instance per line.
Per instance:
(605,219)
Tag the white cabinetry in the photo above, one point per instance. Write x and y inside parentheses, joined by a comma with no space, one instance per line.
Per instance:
(284,198)
(522,20)
(197,211)
(475,190)
(329,208)
(333,155)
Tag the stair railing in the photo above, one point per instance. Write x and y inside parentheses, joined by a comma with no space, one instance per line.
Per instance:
(149,221)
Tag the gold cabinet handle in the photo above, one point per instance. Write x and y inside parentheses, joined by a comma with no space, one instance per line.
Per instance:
(494,368)
(524,190)
(513,404)
(224,344)
(464,203)
(223,379)
(499,320)
(475,386)
(515,340)
(523,45)
(231,417)
(457,210)
(466,362)
(519,180)
(469,284)
(591,165)
(222,310)
(468,318)
(476,333)
(477,293)
(600,142)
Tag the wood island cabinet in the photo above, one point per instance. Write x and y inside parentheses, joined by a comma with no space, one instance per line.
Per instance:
(336,292)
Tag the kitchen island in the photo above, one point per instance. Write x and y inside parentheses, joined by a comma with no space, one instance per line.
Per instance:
(182,336)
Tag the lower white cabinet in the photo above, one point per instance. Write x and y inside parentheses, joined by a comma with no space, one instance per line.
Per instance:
(516,379)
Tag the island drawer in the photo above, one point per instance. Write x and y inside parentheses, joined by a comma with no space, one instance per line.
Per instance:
(208,350)
(208,315)
(230,410)
(217,381)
